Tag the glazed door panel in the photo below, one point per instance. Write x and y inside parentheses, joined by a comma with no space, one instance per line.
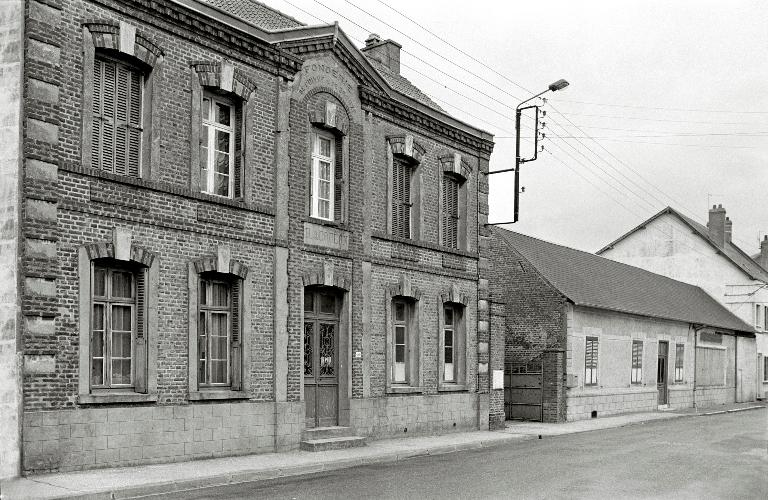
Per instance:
(321,340)
(661,372)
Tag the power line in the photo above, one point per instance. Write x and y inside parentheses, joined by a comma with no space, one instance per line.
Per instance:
(622,117)
(658,108)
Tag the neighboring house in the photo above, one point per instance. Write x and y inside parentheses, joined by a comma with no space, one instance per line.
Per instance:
(221,230)
(674,245)
(587,336)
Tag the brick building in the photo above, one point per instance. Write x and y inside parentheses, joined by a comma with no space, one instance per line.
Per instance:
(588,337)
(230,229)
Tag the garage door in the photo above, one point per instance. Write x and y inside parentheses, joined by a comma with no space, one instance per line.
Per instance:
(523,391)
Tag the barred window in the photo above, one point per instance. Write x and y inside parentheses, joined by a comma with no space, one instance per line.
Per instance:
(637,362)
(116,140)
(590,361)
(679,362)
(401,198)
(450,215)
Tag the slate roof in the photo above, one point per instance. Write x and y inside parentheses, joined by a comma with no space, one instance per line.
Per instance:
(593,281)
(402,85)
(730,251)
(257,13)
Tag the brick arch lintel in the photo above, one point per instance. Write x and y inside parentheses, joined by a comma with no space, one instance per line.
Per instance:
(124,38)
(327,275)
(327,117)
(455,164)
(222,262)
(405,145)
(453,295)
(106,250)
(404,288)
(225,76)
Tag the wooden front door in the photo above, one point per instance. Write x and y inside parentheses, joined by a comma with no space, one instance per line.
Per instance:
(661,372)
(321,364)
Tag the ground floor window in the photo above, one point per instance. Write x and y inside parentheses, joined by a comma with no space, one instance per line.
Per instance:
(679,362)
(710,366)
(765,368)
(590,361)
(637,362)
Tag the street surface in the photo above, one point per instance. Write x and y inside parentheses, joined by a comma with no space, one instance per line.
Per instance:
(718,456)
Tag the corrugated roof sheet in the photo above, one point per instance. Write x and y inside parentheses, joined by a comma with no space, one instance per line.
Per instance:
(590,280)
(402,85)
(257,13)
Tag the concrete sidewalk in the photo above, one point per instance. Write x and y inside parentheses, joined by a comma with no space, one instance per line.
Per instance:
(133,482)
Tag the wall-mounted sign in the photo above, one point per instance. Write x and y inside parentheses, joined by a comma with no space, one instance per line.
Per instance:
(324,236)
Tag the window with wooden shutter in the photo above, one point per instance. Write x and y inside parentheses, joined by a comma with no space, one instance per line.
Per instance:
(450,218)
(401,198)
(590,361)
(117,109)
(338,184)
(219,346)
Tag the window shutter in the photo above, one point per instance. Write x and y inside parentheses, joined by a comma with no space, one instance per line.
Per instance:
(134,123)
(236,329)
(122,103)
(239,148)
(108,117)
(338,184)
(450,211)
(401,199)
(96,126)
(140,361)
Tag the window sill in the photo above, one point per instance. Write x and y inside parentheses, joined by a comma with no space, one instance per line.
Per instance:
(111,398)
(212,395)
(451,388)
(324,222)
(403,389)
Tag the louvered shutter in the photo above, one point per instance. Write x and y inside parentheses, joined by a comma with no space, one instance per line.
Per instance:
(236,329)
(450,217)
(116,129)
(338,181)
(140,361)
(239,147)
(401,199)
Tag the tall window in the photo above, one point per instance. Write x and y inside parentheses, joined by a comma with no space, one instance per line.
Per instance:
(401,198)
(765,318)
(214,333)
(765,368)
(590,361)
(113,327)
(117,125)
(401,313)
(323,189)
(449,338)
(450,215)
(758,316)
(217,147)
(637,362)
(679,362)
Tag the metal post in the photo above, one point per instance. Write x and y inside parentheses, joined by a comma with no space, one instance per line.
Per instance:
(518,112)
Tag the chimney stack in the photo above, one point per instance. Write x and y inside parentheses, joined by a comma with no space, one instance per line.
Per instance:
(386,52)
(728,229)
(716,225)
(763,258)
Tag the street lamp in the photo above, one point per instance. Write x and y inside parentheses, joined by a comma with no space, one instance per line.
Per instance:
(553,87)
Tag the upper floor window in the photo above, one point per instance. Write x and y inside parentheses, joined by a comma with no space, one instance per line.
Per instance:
(217,146)
(115,309)
(323,176)
(116,132)
(401,198)
(450,215)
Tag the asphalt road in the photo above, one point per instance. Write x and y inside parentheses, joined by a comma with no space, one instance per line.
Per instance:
(719,456)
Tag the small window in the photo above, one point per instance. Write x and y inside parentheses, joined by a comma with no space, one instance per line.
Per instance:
(590,361)
(217,146)
(765,368)
(401,198)
(323,176)
(400,311)
(113,328)
(637,362)
(116,133)
(679,362)
(450,215)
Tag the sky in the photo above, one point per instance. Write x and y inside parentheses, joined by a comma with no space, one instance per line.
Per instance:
(667,103)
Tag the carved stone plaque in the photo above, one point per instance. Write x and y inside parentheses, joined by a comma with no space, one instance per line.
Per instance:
(324,236)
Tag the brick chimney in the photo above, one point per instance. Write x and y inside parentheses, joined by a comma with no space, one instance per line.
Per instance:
(386,52)
(728,229)
(716,225)
(763,258)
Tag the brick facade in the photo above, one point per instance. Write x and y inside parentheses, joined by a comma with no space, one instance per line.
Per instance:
(73,213)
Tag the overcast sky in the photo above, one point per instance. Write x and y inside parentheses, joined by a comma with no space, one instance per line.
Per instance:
(674,94)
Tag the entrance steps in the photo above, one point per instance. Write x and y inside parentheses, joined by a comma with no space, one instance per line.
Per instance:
(330,438)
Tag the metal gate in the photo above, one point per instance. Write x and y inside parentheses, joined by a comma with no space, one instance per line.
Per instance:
(523,390)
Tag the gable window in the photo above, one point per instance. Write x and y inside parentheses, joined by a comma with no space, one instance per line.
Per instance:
(116,129)
(590,361)
(401,198)
(679,362)
(114,326)
(218,332)
(323,175)
(217,146)
(450,215)
(637,362)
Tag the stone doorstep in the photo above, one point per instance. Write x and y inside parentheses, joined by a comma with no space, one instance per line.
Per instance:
(327,432)
(332,443)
